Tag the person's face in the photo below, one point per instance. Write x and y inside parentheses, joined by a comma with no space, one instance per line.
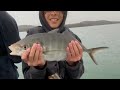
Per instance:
(54,18)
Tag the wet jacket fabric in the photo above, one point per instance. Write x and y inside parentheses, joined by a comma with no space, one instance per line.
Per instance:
(61,67)
(8,35)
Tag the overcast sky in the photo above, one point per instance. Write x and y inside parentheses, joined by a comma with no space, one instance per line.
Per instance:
(31,17)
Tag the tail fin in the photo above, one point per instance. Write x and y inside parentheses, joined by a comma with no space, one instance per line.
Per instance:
(93,50)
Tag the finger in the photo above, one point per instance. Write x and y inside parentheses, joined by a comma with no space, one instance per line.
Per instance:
(68,53)
(29,64)
(72,49)
(25,55)
(41,52)
(79,48)
(41,60)
(36,57)
(75,49)
(32,53)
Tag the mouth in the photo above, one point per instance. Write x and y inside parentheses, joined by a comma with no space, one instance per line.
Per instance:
(54,19)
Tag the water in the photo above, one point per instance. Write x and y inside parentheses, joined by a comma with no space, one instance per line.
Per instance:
(108,60)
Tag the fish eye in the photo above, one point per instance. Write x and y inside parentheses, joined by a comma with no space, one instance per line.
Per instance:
(25,47)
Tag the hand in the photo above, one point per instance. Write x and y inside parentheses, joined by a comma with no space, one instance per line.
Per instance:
(33,56)
(74,52)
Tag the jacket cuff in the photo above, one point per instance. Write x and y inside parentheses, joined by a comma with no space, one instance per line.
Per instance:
(41,68)
(76,66)
(38,73)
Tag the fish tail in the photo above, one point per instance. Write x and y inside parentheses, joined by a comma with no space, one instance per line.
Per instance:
(93,50)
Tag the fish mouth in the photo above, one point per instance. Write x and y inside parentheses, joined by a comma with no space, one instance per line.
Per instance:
(11,47)
(14,52)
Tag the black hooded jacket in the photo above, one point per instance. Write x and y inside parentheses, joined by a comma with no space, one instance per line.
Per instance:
(8,35)
(62,68)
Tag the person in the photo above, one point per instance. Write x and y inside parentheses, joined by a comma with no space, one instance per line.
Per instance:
(35,67)
(8,35)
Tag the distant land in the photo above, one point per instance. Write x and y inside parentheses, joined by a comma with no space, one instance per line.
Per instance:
(92,23)
(24,28)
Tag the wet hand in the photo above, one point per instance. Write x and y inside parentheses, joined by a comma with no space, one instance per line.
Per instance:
(74,52)
(33,56)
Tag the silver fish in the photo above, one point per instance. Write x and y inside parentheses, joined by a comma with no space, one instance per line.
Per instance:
(54,45)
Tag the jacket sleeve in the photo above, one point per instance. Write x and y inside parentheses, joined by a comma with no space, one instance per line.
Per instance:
(74,72)
(33,72)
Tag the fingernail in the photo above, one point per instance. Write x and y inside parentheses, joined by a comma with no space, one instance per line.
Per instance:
(34,44)
(67,48)
(72,41)
(28,49)
(69,44)
(38,45)
(76,41)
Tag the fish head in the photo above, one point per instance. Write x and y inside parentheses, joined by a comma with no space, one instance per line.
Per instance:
(17,49)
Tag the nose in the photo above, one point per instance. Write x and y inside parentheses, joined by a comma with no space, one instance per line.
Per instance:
(53,12)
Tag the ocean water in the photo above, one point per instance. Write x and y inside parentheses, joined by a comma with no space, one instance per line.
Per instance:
(108,60)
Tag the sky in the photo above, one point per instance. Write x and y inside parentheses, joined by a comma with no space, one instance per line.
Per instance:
(32,18)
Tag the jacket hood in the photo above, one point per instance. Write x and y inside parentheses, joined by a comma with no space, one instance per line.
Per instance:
(46,26)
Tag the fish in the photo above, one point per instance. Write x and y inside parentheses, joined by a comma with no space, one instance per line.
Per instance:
(54,45)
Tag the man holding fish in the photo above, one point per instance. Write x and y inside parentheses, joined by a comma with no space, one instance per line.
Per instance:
(36,67)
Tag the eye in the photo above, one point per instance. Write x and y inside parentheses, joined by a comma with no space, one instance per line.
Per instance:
(25,47)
